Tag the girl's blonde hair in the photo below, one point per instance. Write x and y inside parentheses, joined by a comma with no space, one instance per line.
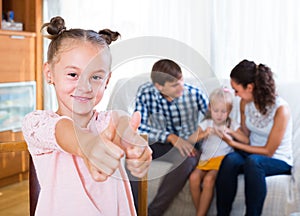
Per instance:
(224,95)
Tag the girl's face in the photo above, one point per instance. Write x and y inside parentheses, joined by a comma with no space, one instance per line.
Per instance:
(219,112)
(244,93)
(80,77)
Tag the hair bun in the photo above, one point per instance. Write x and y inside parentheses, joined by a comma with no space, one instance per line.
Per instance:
(56,26)
(109,35)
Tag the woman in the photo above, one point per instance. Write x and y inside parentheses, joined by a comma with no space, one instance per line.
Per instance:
(265,118)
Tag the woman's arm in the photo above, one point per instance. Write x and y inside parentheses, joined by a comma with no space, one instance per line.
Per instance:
(243,118)
(239,136)
(281,119)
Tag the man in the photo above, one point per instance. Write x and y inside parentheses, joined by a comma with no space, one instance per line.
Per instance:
(170,111)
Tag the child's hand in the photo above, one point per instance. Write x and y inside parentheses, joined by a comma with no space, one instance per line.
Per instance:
(138,162)
(102,157)
(139,166)
(208,131)
(138,152)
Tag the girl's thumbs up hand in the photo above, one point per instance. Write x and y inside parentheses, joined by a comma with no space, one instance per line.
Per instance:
(137,150)
(102,157)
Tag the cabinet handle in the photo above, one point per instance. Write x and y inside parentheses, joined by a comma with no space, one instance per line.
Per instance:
(17,37)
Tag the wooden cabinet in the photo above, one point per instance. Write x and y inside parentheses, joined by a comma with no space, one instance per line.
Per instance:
(20,60)
(17,61)
(21,53)
(14,167)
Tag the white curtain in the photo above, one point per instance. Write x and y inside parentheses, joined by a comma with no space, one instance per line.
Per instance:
(222,32)
(265,31)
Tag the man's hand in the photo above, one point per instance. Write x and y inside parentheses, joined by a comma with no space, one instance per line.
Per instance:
(183,146)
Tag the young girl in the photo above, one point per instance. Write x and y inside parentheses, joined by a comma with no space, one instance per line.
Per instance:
(77,151)
(202,179)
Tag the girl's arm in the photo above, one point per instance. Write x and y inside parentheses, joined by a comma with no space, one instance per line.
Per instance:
(102,153)
(199,135)
(102,157)
(281,119)
(193,137)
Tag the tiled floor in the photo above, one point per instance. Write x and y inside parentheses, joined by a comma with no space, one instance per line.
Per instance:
(14,199)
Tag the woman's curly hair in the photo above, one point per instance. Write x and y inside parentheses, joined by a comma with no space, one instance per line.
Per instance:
(264,91)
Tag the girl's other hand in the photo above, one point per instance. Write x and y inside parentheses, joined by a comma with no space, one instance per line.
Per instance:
(126,135)
(140,166)
(139,154)
(103,157)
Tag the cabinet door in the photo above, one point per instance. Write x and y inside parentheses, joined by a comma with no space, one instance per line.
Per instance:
(17,58)
(14,167)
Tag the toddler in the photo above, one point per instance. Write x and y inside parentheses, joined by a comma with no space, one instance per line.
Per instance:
(202,179)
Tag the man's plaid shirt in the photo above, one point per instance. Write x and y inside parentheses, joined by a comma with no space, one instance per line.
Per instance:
(161,117)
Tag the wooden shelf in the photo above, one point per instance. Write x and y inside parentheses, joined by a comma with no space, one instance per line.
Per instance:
(24,12)
(14,163)
(21,59)
(17,56)
(13,146)
(29,13)
(19,33)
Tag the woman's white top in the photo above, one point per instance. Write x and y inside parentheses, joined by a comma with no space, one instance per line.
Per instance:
(213,145)
(260,127)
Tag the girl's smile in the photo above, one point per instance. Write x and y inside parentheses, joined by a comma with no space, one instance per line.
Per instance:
(82,99)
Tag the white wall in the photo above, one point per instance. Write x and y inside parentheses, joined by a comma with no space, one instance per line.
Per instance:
(222,32)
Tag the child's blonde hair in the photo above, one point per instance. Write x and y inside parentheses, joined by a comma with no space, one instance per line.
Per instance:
(224,95)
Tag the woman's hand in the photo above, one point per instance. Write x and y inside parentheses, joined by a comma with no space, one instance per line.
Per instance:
(225,136)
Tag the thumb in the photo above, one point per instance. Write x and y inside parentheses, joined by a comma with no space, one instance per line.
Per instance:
(110,130)
(135,120)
